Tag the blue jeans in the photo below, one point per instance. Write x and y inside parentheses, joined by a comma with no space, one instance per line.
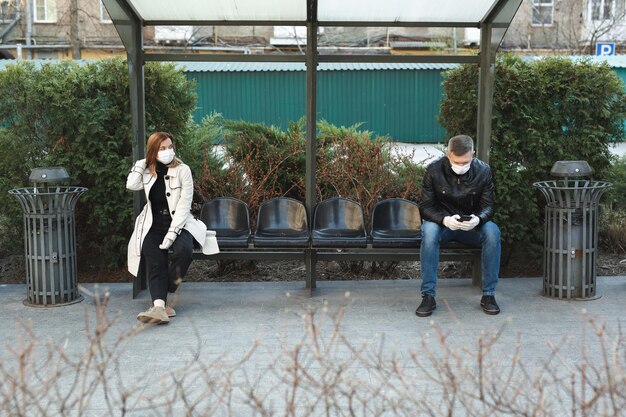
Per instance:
(486,235)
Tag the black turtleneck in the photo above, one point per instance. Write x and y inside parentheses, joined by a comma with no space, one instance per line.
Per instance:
(161,217)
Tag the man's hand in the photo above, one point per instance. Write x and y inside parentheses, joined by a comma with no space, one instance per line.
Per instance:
(452,222)
(169,239)
(470,224)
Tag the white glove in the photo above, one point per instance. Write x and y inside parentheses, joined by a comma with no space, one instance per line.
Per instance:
(168,240)
(452,222)
(470,224)
(166,244)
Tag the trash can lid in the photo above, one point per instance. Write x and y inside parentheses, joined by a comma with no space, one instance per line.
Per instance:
(50,174)
(571,169)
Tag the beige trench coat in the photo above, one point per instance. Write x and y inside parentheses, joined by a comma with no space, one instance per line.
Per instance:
(179,193)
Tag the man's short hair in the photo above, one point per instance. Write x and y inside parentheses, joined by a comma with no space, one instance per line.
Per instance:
(460,145)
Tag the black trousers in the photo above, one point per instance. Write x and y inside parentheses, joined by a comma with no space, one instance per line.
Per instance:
(165,270)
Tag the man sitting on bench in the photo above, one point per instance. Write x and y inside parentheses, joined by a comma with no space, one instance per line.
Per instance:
(458,204)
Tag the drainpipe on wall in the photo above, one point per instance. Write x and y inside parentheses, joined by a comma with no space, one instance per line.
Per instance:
(74,38)
(29,28)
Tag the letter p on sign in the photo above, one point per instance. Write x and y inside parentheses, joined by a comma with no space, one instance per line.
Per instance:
(605,48)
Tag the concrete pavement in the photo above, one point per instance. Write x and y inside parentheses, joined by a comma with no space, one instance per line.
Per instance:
(219,323)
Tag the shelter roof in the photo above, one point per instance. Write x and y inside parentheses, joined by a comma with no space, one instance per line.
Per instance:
(331,12)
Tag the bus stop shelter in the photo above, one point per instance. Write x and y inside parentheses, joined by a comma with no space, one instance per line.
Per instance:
(491,17)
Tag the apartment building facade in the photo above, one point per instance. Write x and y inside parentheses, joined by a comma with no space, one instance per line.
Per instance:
(57,29)
(569,26)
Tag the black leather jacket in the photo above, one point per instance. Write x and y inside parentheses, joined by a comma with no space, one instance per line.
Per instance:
(445,193)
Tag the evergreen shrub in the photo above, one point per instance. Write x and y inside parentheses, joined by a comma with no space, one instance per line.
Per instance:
(78,117)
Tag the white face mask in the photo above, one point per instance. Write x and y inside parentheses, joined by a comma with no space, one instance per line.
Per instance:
(166,156)
(460,169)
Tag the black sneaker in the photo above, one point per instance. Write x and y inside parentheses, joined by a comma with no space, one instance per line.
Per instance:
(489,305)
(427,306)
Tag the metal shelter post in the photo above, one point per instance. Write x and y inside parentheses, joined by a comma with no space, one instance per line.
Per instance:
(486,73)
(492,30)
(311,128)
(136,84)
(130,29)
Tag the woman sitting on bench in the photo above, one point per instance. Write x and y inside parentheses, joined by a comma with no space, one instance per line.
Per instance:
(164,223)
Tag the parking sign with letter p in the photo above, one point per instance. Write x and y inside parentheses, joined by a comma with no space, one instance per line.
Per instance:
(605,48)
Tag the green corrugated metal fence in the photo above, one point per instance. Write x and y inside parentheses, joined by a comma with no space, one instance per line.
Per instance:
(400,103)
(621,72)
(270,97)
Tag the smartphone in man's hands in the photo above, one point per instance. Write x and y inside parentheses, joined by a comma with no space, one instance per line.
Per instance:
(465,218)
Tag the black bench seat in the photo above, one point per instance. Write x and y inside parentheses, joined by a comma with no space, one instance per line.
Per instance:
(337,234)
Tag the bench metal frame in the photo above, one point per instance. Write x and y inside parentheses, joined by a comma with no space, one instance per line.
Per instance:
(311,256)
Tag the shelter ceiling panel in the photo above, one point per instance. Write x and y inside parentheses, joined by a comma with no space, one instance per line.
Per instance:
(220,10)
(443,11)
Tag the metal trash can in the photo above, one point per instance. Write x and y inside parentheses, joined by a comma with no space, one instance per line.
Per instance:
(50,237)
(571,230)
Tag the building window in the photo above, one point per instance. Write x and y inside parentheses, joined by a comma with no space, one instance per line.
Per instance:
(543,12)
(601,9)
(104,15)
(45,11)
